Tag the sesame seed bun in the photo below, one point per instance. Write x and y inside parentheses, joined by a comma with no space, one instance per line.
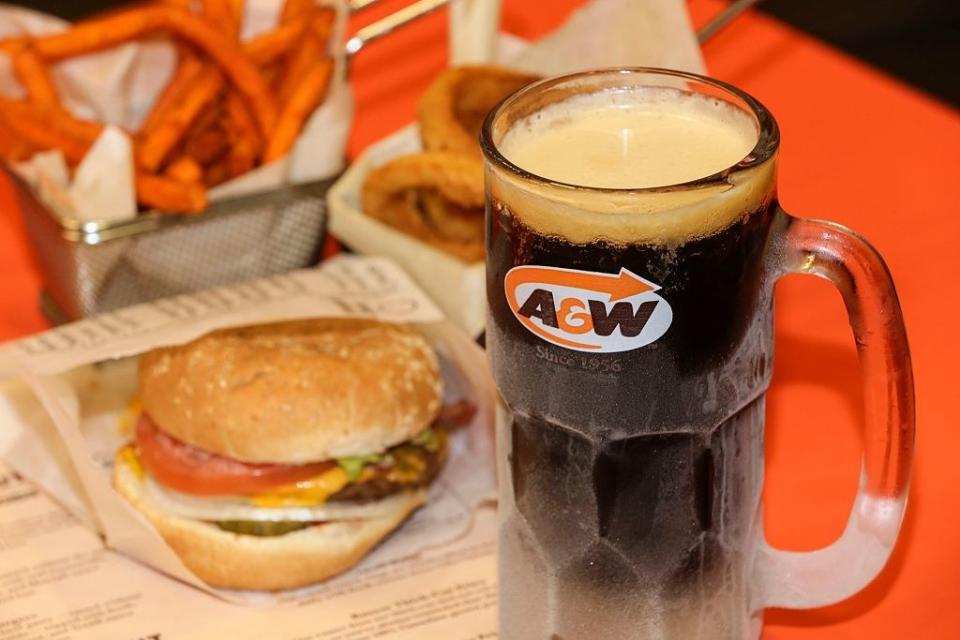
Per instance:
(294,392)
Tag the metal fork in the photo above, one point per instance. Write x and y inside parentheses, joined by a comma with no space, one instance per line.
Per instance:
(412,12)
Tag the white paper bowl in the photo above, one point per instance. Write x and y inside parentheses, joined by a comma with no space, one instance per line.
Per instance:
(456,286)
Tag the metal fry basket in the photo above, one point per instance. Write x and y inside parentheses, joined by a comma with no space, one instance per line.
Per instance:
(92,267)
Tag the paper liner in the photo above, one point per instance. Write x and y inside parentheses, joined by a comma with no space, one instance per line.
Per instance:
(83,376)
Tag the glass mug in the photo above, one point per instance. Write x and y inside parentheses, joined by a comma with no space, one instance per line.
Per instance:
(630,332)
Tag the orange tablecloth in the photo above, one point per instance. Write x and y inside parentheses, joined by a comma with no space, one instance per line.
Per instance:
(858,148)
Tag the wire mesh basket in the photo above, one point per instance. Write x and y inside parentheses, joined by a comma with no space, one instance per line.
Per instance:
(93,267)
(89,268)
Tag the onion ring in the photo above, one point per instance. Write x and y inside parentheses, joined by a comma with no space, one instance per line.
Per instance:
(458,177)
(450,220)
(421,194)
(454,106)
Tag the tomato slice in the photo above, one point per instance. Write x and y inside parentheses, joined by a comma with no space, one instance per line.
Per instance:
(456,414)
(186,468)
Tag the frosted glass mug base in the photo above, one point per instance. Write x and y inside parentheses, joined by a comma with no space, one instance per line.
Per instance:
(581,558)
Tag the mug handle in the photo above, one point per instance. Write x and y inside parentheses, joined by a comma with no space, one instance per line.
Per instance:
(800,580)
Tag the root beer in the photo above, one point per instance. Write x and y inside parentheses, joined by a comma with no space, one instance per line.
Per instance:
(629,319)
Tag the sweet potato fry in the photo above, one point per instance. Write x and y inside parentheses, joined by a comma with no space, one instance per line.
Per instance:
(321,24)
(42,137)
(207,144)
(240,122)
(243,74)
(10,46)
(102,33)
(221,14)
(16,150)
(169,195)
(294,9)
(271,72)
(46,128)
(35,77)
(217,173)
(185,169)
(82,129)
(242,158)
(188,69)
(245,143)
(157,143)
(13,148)
(56,119)
(455,176)
(312,47)
(310,93)
(207,139)
(273,45)
(239,9)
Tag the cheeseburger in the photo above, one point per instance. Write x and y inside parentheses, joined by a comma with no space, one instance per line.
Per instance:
(274,456)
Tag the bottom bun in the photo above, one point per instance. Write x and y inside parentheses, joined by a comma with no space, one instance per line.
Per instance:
(236,561)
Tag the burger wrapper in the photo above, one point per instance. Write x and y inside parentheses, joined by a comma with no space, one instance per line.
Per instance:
(71,394)
(604,33)
(118,86)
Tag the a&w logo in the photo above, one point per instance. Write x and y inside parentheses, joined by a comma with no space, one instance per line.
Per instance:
(586,310)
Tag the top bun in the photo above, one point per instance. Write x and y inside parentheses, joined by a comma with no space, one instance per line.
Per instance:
(294,392)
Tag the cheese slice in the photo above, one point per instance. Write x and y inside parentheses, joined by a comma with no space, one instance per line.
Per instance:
(127,421)
(128,456)
(311,491)
(221,508)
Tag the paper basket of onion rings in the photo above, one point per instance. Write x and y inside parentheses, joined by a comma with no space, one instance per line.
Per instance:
(417,195)
(174,145)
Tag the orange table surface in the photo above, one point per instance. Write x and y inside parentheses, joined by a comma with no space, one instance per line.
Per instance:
(858,148)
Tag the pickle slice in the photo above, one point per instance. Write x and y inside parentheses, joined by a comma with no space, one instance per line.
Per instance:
(258,528)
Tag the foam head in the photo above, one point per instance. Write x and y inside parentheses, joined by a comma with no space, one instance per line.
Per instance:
(643,141)
(641,138)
